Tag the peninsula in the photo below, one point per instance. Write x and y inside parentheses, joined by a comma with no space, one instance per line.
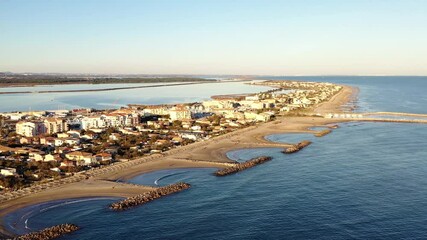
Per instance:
(89,175)
(204,144)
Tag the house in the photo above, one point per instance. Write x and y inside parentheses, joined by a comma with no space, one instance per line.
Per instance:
(72,141)
(262,117)
(81,158)
(68,163)
(29,140)
(196,128)
(235,115)
(34,156)
(126,117)
(8,172)
(50,157)
(47,141)
(233,124)
(27,150)
(191,135)
(62,135)
(58,142)
(101,157)
(92,122)
(89,136)
(161,142)
(62,150)
(177,140)
(114,137)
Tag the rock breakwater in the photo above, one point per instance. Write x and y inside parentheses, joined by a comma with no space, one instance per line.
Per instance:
(49,233)
(297,147)
(323,133)
(242,166)
(149,196)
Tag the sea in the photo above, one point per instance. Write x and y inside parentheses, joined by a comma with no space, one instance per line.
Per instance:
(362,181)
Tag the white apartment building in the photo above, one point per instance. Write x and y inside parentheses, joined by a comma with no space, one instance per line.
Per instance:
(30,129)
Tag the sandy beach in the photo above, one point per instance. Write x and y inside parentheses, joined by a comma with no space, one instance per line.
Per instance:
(206,154)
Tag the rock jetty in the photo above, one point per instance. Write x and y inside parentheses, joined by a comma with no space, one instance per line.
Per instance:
(149,196)
(242,166)
(296,147)
(49,233)
(323,133)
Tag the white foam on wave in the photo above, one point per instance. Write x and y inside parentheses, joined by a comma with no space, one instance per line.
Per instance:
(32,214)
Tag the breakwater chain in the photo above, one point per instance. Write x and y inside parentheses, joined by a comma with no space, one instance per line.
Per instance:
(297,147)
(143,198)
(242,166)
(49,233)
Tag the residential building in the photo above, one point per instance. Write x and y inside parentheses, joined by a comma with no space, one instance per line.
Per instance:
(55,125)
(156,110)
(81,158)
(179,113)
(30,129)
(101,157)
(8,172)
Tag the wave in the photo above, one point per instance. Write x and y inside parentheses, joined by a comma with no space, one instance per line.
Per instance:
(33,213)
(72,202)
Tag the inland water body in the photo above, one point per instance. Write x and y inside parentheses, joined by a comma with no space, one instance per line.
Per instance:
(116,98)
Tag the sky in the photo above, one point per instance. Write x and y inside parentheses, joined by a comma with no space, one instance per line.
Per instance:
(244,37)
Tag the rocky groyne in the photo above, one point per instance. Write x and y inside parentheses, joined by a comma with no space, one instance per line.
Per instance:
(297,147)
(323,133)
(149,196)
(242,166)
(49,233)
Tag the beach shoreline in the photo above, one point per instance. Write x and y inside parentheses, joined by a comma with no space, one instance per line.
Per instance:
(210,153)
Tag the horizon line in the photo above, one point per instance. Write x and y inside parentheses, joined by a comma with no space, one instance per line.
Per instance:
(221,74)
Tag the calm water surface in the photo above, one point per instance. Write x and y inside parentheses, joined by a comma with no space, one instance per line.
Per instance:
(117,98)
(363,181)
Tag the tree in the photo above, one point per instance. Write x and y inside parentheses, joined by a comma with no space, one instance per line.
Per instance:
(177,124)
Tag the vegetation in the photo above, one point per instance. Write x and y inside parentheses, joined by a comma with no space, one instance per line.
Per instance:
(28,172)
(64,79)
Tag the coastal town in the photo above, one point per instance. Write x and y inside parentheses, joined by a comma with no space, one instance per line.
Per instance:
(43,146)
(261,119)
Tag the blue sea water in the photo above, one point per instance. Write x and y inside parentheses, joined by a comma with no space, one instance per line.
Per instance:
(397,93)
(362,181)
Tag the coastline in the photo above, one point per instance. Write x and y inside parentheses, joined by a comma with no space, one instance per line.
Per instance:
(210,153)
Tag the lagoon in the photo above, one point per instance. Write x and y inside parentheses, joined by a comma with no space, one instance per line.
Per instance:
(116,98)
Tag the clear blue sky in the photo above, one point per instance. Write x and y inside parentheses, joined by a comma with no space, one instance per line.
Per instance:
(295,37)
